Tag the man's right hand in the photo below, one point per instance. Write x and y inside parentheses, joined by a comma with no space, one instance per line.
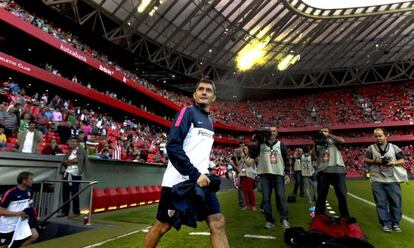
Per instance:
(22,214)
(203,180)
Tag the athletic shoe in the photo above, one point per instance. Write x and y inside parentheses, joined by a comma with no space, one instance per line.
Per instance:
(285,224)
(386,229)
(396,228)
(269,225)
(254,208)
(243,208)
(312,209)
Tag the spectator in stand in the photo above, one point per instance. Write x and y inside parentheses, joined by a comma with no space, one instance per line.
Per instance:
(75,164)
(64,132)
(3,109)
(41,120)
(331,170)
(385,161)
(16,206)
(52,148)
(57,117)
(117,149)
(10,121)
(28,141)
(3,137)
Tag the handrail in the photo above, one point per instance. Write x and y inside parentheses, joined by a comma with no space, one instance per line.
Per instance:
(90,184)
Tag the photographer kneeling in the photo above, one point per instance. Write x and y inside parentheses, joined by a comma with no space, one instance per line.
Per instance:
(272,167)
(331,170)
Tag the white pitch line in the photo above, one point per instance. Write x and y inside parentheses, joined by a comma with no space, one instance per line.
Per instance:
(259,236)
(118,237)
(199,233)
(411,220)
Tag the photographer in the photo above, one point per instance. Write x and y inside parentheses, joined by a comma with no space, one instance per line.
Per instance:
(385,162)
(297,172)
(273,168)
(331,170)
(246,166)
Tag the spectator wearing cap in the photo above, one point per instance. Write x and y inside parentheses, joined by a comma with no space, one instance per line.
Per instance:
(3,137)
(28,141)
(75,164)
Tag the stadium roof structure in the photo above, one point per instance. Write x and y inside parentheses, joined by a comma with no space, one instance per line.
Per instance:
(337,47)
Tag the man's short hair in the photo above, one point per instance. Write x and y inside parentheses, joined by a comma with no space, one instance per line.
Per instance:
(381,129)
(23,176)
(206,81)
(73,138)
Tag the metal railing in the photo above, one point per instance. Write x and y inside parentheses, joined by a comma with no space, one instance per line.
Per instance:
(90,185)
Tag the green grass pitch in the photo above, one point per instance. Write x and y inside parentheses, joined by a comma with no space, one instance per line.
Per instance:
(241,222)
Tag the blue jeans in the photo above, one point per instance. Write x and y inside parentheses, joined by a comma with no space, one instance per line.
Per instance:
(387,198)
(270,182)
(337,180)
(298,183)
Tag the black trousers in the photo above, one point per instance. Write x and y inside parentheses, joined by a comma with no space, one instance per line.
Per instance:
(71,190)
(338,183)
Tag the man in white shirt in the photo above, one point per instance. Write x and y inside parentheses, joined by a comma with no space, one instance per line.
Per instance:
(29,140)
(75,164)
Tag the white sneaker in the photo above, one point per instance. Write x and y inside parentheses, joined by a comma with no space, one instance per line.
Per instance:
(285,224)
(269,225)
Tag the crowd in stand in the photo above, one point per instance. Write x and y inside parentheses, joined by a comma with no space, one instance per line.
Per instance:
(59,118)
(354,106)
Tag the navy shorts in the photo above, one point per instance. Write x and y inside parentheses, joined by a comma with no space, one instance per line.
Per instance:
(166,207)
(6,238)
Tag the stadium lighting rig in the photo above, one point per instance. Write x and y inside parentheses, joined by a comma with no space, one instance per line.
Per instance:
(287,61)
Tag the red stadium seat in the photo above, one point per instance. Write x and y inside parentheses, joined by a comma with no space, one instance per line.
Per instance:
(124,197)
(142,195)
(100,200)
(133,196)
(113,198)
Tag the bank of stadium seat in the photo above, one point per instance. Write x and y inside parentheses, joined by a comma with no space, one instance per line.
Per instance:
(142,195)
(124,196)
(133,196)
(113,198)
(157,192)
(100,200)
(150,194)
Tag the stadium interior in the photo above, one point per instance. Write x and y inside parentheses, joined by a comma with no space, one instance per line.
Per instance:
(118,71)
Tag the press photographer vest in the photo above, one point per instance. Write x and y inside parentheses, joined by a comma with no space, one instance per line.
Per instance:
(334,155)
(399,172)
(265,165)
(296,165)
(306,166)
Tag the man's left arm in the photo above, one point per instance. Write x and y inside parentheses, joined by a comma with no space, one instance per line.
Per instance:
(286,161)
(338,140)
(399,156)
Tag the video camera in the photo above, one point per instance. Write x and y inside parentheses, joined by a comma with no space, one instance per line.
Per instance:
(319,138)
(261,135)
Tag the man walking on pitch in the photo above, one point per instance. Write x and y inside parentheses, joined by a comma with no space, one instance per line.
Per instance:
(189,145)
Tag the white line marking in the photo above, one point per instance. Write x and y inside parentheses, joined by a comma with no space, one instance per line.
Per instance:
(329,208)
(199,233)
(332,212)
(411,220)
(118,237)
(259,236)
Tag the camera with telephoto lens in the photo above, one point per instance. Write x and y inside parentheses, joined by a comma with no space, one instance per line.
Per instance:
(385,160)
(319,138)
(261,135)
